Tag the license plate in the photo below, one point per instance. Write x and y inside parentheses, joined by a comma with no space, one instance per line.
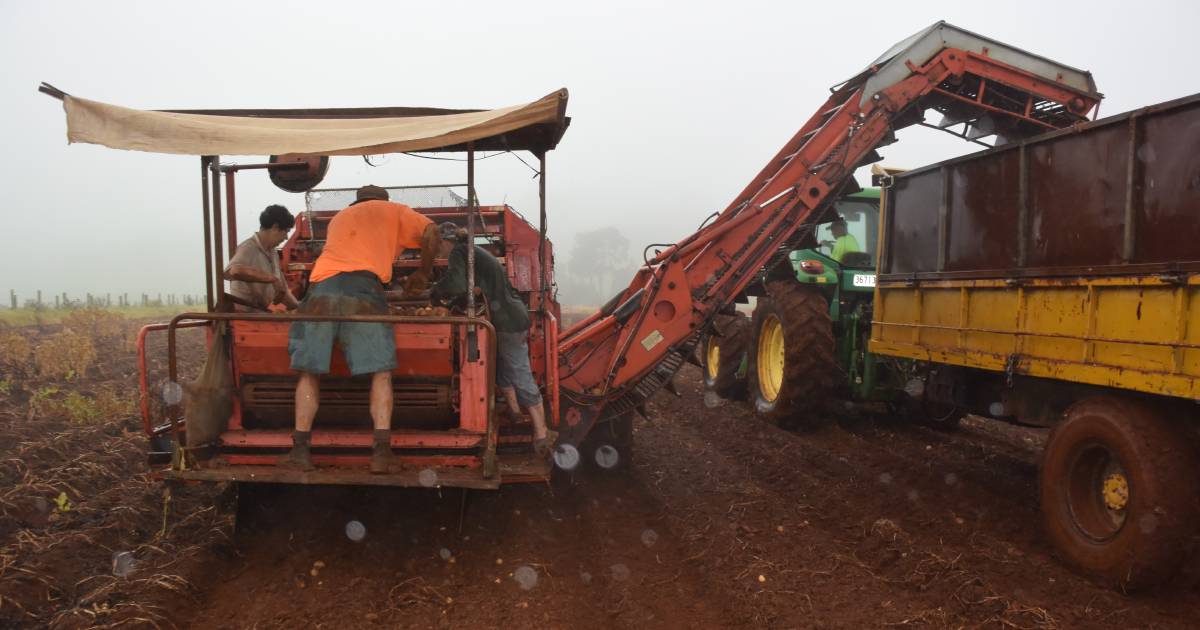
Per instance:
(865,280)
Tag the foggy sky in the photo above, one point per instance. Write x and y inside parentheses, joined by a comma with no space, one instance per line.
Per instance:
(675,106)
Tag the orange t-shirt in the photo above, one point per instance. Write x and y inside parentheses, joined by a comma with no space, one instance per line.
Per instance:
(369,236)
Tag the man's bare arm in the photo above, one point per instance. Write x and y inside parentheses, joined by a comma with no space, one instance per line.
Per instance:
(246,273)
(430,243)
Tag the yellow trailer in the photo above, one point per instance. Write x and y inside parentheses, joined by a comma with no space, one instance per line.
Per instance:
(1056,282)
(1139,333)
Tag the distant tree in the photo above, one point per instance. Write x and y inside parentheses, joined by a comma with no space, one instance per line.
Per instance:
(599,265)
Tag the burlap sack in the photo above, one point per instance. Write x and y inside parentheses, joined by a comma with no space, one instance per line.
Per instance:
(210,398)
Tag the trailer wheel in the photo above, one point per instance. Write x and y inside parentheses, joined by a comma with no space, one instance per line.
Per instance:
(1118,482)
(723,355)
(792,367)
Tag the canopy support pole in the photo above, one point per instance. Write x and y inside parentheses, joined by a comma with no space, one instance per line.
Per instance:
(231,212)
(472,205)
(218,247)
(208,267)
(542,232)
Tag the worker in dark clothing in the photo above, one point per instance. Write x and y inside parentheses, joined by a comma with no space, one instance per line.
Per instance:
(510,318)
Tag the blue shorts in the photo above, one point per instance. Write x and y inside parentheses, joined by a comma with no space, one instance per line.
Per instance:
(512,367)
(368,347)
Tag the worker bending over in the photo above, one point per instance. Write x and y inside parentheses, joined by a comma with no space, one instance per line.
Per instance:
(348,278)
(253,272)
(510,318)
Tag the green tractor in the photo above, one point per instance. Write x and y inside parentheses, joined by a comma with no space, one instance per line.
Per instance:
(806,343)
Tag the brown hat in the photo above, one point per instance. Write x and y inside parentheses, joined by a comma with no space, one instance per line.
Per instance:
(369,192)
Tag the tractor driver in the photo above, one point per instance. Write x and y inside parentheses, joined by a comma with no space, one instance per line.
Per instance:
(510,318)
(253,272)
(843,241)
(361,245)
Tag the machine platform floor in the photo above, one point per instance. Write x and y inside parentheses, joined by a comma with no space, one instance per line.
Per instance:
(514,468)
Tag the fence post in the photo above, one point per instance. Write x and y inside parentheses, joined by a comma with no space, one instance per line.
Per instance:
(12,297)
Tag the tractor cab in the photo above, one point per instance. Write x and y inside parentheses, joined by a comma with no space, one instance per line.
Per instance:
(845,256)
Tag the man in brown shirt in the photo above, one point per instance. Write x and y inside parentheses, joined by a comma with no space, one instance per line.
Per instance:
(253,272)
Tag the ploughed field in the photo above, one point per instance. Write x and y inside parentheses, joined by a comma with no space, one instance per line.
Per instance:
(723,521)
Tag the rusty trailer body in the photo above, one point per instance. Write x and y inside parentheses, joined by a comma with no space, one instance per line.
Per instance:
(1054,282)
(1071,256)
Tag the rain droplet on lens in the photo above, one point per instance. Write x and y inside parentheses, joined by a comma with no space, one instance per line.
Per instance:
(427,478)
(525,577)
(620,572)
(913,495)
(885,478)
(123,563)
(356,531)
(951,479)
(172,393)
(585,577)
(566,457)
(712,400)
(1148,523)
(444,553)
(649,537)
(607,457)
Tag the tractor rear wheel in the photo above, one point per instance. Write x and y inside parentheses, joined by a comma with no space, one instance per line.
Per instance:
(792,366)
(1118,480)
(723,355)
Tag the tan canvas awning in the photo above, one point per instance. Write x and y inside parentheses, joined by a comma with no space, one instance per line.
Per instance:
(536,126)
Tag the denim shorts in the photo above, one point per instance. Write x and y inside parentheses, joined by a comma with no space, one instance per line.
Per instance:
(368,347)
(512,367)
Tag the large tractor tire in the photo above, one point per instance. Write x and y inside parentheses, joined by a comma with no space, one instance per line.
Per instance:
(723,355)
(792,365)
(1118,480)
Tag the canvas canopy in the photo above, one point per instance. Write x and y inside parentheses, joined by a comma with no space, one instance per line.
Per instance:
(536,126)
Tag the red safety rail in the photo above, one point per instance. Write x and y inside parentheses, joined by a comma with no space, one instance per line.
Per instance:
(144,373)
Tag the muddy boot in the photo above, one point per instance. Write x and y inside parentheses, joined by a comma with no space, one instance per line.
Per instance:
(545,446)
(300,457)
(381,452)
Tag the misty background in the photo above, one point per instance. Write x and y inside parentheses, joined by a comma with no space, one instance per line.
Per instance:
(674,107)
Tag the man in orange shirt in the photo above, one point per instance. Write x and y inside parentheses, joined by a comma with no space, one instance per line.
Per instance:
(348,278)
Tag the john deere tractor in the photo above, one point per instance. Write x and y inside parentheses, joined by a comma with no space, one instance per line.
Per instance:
(805,343)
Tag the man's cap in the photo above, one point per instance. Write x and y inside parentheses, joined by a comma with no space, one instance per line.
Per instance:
(449,231)
(369,192)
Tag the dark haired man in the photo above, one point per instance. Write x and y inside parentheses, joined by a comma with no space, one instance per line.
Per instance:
(253,271)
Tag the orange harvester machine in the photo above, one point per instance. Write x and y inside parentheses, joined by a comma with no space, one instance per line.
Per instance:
(603,369)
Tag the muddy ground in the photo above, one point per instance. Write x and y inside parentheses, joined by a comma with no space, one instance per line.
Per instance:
(723,521)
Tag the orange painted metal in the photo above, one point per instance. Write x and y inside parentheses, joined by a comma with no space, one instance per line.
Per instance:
(260,349)
(353,439)
(604,359)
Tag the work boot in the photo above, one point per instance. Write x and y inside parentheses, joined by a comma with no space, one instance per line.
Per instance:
(300,457)
(544,447)
(381,452)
